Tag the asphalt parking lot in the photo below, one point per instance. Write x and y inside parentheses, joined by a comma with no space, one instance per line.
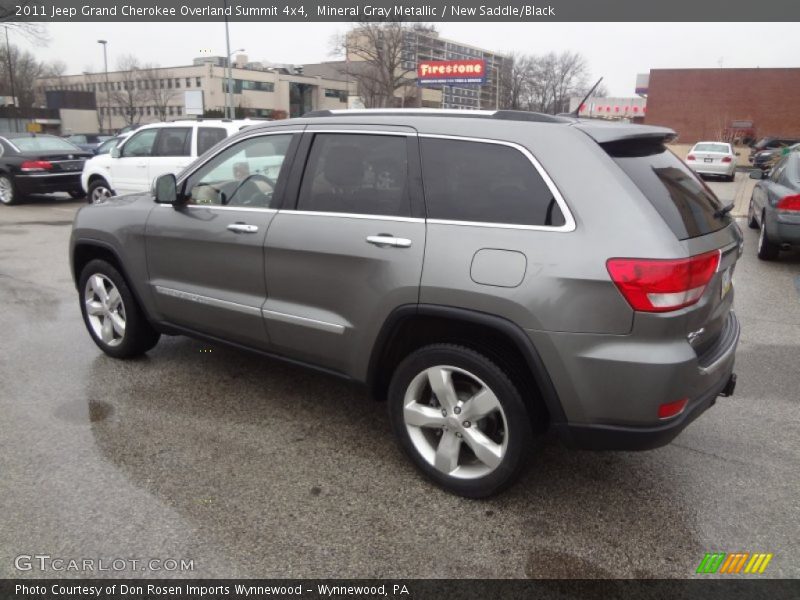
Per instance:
(252,468)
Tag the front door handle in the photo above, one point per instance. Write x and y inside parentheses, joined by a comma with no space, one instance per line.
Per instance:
(242,228)
(384,240)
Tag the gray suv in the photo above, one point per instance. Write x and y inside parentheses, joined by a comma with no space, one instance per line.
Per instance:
(488,274)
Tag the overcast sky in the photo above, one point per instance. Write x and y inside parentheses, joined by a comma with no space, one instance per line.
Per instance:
(617,51)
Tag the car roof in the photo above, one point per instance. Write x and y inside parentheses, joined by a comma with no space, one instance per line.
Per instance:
(23,134)
(473,121)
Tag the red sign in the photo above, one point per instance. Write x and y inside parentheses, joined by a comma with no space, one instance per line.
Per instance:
(451,71)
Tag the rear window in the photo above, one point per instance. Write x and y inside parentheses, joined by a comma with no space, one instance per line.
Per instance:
(43,143)
(686,204)
(712,148)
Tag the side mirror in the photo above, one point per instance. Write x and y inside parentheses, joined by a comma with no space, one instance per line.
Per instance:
(115,153)
(759,174)
(165,189)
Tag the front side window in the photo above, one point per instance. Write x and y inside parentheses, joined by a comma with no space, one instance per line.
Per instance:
(140,144)
(354,173)
(173,141)
(486,183)
(245,174)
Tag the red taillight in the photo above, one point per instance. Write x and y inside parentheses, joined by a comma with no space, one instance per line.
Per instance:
(789,203)
(36,165)
(656,285)
(671,409)
(690,157)
(726,159)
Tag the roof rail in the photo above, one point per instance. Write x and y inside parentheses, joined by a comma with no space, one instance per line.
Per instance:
(503,115)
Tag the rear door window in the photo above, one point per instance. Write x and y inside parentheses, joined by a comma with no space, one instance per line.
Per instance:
(485,183)
(173,141)
(684,201)
(208,137)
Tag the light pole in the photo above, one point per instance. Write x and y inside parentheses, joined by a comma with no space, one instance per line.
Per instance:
(108,95)
(229,98)
(11,79)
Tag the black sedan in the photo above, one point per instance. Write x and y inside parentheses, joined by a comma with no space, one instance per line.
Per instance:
(775,206)
(39,164)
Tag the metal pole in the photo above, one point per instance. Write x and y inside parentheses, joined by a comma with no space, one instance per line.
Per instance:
(108,87)
(11,79)
(229,96)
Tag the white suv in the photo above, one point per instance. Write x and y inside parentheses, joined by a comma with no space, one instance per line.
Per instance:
(150,151)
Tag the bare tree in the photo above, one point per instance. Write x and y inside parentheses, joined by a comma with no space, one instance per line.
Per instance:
(25,70)
(515,81)
(126,92)
(158,89)
(374,55)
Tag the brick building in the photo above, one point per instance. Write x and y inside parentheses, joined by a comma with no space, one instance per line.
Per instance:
(706,104)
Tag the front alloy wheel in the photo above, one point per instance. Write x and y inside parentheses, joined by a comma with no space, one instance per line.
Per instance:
(105,309)
(460,419)
(99,192)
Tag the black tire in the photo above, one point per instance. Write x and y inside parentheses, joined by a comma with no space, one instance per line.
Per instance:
(8,191)
(767,249)
(138,336)
(98,191)
(77,194)
(730,178)
(751,216)
(510,426)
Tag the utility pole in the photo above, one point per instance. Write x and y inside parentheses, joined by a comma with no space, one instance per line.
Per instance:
(108,88)
(11,80)
(229,95)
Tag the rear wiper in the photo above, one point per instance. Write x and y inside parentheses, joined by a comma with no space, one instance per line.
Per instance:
(721,212)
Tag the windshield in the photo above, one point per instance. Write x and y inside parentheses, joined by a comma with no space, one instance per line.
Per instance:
(723,148)
(44,143)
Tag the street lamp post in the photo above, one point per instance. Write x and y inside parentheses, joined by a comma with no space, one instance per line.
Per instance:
(11,80)
(229,98)
(108,95)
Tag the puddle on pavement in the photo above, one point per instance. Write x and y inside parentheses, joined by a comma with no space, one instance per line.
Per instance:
(560,565)
(82,412)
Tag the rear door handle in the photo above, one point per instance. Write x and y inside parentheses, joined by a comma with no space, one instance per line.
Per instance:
(242,228)
(384,240)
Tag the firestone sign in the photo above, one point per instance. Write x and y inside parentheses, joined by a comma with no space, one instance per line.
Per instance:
(451,71)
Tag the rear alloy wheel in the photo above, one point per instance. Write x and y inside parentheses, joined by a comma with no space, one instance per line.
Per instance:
(751,216)
(460,419)
(99,192)
(111,313)
(767,249)
(8,194)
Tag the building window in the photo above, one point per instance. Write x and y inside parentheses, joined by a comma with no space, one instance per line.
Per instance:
(171,110)
(178,110)
(340,94)
(197,81)
(147,110)
(177,82)
(188,82)
(169,83)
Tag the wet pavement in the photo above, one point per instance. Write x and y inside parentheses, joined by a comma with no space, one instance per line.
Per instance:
(249,467)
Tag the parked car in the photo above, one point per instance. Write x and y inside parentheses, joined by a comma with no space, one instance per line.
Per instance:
(33,163)
(713,158)
(766,159)
(775,206)
(110,143)
(451,263)
(769,144)
(150,151)
(88,141)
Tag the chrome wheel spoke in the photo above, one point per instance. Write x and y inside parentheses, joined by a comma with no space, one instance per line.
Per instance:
(107,330)
(480,405)
(446,459)
(441,382)
(99,288)
(419,415)
(94,308)
(113,299)
(487,451)
(117,323)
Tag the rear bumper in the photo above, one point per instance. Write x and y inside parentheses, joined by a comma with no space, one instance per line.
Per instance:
(783,227)
(46,183)
(713,169)
(611,437)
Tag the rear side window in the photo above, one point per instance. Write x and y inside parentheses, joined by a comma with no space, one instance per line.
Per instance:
(686,204)
(208,137)
(355,173)
(486,183)
(173,141)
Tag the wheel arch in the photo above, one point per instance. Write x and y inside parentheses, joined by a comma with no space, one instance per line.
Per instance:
(412,326)
(86,250)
